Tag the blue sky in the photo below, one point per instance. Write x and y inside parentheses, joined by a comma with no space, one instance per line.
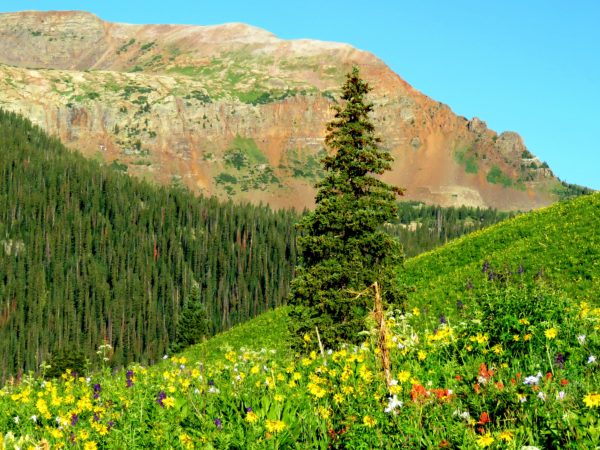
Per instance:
(531,66)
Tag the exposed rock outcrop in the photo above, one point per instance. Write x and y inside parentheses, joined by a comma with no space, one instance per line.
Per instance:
(234,111)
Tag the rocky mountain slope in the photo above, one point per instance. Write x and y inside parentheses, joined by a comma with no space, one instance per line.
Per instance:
(234,111)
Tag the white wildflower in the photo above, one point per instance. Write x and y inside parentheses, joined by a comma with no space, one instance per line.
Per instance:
(534,379)
(393,404)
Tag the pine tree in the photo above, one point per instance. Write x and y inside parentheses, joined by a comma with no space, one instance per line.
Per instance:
(192,326)
(343,247)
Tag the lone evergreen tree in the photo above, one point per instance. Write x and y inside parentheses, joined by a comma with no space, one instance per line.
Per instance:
(343,247)
(192,326)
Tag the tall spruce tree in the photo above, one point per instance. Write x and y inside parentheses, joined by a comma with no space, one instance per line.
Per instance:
(343,247)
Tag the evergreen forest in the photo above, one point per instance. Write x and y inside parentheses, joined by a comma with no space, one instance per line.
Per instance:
(91,256)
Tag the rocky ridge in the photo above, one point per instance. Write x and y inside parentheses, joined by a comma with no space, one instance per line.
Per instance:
(233,111)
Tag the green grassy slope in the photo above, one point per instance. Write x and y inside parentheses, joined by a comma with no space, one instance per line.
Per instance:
(267,331)
(559,244)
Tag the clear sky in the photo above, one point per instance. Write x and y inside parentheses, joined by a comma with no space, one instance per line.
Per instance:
(530,66)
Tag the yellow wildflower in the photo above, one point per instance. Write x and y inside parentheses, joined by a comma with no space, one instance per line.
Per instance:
(251,417)
(169,402)
(551,333)
(416,312)
(274,426)
(506,436)
(347,390)
(421,355)
(527,337)
(403,376)
(186,441)
(591,400)
(369,421)
(56,433)
(316,390)
(90,445)
(324,412)
(524,321)
(485,440)
(516,338)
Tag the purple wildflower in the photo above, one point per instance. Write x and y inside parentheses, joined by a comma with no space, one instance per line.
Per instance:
(129,378)
(460,305)
(110,424)
(520,270)
(248,409)
(74,419)
(443,319)
(559,360)
(218,423)
(159,399)
(486,266)
(97,390)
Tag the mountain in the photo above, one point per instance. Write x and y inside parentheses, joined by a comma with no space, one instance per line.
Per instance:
(234,111)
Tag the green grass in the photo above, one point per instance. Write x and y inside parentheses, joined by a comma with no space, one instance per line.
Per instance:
(561,242)
(496,176)
(243,152)
(267,331)
(464,158)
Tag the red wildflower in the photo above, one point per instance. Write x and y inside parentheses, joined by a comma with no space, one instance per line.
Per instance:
(549,376)
(458,378)
(564,382)
(476,388)
(444,444)
(418,392)
(485,418)
(484,372)
(441,394)
(500,385)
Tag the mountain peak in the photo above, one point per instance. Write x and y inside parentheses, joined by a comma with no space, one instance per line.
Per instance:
(183,102)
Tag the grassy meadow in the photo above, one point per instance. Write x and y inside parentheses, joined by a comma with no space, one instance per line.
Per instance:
(498,349)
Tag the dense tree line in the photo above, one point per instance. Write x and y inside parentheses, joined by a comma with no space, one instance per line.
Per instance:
(423,227)
(89,255)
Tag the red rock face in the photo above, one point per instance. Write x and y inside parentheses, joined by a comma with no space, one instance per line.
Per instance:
(236,112)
